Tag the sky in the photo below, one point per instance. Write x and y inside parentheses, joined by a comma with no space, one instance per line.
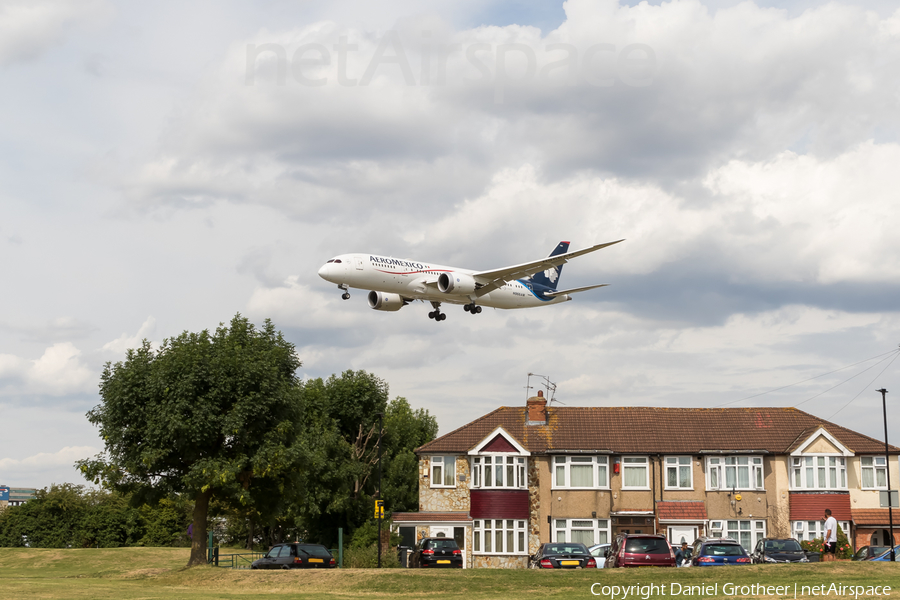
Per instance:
(165,166)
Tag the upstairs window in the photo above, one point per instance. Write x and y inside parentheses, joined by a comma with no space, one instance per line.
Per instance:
(443,471)
(818,473)
(635,474)
(581,472)
(678,473)
(499,471)
(874,472)
(735,473)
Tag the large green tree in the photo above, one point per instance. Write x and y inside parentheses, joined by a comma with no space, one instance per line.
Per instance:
(206,415)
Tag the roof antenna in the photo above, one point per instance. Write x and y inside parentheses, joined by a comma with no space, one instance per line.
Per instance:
(548,385)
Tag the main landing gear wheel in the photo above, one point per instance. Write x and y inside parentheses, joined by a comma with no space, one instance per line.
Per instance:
(437,315)
(471,308)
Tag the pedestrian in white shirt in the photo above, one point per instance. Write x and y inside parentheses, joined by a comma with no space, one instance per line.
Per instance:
(830,535)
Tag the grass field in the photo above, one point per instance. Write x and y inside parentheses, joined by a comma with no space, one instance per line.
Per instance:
(146,573)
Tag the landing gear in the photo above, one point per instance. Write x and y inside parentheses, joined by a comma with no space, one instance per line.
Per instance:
(436,314)
(346,294)
(471,308)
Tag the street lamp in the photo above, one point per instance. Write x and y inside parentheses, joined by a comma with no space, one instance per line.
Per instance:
(378,491)
(887,462)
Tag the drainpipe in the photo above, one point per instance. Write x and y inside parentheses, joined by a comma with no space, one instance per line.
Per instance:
(653,489)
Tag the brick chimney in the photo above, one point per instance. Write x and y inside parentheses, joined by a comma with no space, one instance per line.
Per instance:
(537,409)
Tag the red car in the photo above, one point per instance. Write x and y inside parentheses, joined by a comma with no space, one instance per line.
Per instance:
(640,550)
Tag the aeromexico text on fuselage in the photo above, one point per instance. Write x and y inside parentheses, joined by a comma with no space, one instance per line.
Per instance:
(395,282)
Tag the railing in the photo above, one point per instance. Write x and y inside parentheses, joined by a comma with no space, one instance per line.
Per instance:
(242,560)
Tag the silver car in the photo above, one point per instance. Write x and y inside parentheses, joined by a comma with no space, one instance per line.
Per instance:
(598,551)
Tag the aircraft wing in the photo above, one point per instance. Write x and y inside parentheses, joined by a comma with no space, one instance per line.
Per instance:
(495,279)
(575,290)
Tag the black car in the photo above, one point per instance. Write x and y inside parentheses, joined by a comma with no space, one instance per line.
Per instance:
(778,550)
(296,556)
(437,553)
(562,555)
(870,552)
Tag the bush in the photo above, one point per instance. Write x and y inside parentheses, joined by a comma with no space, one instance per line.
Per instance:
(844,548)
(366,557)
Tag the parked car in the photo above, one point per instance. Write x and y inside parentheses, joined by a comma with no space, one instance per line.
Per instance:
(778,550)
(886,555)
(598,551)
(870,552)
(717,552)
(296,556)
(640,550)
(432,552)
(563,555)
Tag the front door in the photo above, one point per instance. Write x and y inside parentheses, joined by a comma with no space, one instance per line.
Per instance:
(459,534)
(682,534)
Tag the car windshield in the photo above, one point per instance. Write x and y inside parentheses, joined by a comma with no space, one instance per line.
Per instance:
(442,544)
(317,551)
(565,549)
(723,550)
(646,546)
(783,546)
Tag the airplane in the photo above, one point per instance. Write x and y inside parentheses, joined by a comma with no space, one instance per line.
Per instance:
(394,283)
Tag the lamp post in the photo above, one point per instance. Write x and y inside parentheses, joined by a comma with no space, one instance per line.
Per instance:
(887,470)
(378,491)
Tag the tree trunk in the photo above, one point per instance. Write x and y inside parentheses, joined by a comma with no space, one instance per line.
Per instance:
(198,542)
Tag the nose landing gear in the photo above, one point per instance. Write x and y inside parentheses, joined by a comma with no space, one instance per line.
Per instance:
(346,294)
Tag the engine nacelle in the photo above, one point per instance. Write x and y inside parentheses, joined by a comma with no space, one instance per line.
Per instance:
(456,283)
(382,301)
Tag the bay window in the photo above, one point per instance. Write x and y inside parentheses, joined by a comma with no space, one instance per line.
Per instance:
(499,471)
(582,531)
(818,473)
(499,536)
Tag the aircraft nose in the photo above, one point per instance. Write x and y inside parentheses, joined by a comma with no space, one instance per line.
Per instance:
(323,272)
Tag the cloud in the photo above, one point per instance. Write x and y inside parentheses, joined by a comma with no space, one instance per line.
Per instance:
(125,341)
(28,28)
(37,466)
(58,372)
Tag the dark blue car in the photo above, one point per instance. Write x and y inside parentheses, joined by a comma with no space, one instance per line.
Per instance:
(718,552)
(887,555)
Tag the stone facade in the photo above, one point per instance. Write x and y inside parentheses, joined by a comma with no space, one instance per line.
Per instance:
(441,499)
(500,562)
(534,506)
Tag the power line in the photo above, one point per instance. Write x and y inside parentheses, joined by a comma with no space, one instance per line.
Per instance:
(845,381)
(865,388)
(895,351)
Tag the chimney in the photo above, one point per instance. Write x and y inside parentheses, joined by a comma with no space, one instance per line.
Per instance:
(537,409)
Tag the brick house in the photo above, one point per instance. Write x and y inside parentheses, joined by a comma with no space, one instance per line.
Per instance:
(521,476)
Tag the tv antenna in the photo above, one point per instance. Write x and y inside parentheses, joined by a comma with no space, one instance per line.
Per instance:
(548,385)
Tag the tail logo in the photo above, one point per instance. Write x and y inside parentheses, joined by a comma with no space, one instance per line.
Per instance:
(552,274)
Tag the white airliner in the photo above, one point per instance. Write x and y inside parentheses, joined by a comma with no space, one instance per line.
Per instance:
(394,283)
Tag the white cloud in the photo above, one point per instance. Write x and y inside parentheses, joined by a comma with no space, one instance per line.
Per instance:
(44,466)
(28,28)
(125,341)
(59,371)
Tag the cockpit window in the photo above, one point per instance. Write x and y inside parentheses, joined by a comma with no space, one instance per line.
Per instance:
(337,260)
(332,260)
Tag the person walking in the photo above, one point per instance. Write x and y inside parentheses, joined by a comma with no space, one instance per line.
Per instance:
(830,535)
(681,555)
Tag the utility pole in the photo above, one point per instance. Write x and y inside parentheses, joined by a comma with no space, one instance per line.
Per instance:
(887,470)
(380,517)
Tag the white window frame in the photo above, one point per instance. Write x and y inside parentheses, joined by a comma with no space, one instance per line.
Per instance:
(440,462)
(636,462)
(485,536)
(562,466)
(876,464)
(676,464)
(754,528)
(830,467)
(600,528)
(513,474)
(811,530)
(718,467)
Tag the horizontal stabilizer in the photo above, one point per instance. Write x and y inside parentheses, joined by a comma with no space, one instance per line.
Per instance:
(575,290)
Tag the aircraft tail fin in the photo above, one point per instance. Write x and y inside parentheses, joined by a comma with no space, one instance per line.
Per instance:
(550,277)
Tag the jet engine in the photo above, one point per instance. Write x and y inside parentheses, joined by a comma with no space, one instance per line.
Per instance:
(456,283)
(382,301)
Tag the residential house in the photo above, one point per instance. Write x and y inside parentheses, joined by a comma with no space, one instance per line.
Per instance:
(521,476)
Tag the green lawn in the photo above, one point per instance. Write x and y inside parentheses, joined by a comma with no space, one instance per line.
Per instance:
(145,573)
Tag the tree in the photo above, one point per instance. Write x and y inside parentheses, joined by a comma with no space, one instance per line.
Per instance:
(207,415)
